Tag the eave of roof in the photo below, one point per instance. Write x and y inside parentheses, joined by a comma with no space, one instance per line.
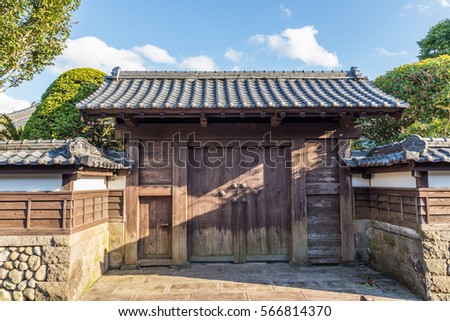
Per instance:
(414,149)
(77,152)
(154,92)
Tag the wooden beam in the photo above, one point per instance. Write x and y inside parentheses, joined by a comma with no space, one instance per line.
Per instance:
(131,206)
(421,179)
(179,205)
(155,190)
(67,181)
(346,204)
(299,215)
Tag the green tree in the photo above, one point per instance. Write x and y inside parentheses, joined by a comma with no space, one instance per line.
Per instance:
(436,42)
(8,130)
(32,34)
(56,116)
(425,85)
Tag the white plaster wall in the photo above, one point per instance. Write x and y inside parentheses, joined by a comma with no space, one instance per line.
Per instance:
(119,183)
(358,181)
(399,179)
(90,183)
(30,183)
(439,179)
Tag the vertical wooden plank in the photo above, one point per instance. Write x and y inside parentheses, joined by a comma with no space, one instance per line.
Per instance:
(346,206)
(28,224)
(427,208)
(401,208)
(298,208)
(132,206)
(64,214)
(179,204)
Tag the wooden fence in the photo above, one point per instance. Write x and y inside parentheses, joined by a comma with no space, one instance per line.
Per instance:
(408,207)
(56,212)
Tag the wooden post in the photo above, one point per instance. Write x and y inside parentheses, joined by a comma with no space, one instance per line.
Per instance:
(132,207)
(179,205)
(28,224)
(299,217)
(346,204)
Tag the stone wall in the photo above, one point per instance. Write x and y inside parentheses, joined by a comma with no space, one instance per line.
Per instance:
(57,267)
(420,259)
(116,244)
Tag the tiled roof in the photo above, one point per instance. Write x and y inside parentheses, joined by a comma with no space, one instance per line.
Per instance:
(152,89)
(21,117)
(413,149)
(56,152)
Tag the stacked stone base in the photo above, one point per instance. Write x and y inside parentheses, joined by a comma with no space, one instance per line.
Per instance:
(58,267)
(419,259)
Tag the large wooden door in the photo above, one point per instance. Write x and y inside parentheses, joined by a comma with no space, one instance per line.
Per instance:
(238,205)
(155,228)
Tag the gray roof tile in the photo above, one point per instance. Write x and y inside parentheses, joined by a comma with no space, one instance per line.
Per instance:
(57,152)
(413,149)
(152,89)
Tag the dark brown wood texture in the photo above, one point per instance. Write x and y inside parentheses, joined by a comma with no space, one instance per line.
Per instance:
(407,207)
(238,205)
(52,211)
(322,199)
(155,227)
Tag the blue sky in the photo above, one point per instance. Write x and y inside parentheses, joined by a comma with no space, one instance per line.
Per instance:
(376,36)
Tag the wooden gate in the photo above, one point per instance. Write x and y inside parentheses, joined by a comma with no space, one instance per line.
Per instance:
(155,229)
(238,204)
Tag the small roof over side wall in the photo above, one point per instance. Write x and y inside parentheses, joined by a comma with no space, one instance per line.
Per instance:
(76,152)
(150,92)
(414,149)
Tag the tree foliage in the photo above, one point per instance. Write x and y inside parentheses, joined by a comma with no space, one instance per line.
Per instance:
(56,117)
(8,130)
(436,42)
(32,34)
(425,85)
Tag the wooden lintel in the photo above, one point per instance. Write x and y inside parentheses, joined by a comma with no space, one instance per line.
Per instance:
(155,190)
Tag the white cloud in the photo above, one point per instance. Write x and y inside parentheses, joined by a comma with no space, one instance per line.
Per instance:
(234,55)
(155,54)
(444,3)
(384,52)
(421,8)
(286,11)
(198,63)
(95,53)
(9,104)
(299,44)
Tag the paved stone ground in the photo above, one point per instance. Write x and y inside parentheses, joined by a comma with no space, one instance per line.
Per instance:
(240,282)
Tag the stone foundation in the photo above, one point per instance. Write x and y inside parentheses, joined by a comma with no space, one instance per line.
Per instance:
(418,259)
(58,267)
(116,244)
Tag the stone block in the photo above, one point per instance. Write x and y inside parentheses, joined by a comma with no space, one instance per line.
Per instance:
(37,250)
(23,257)
(58,272)
(3,273)
(4,254)
(29,250)
(440,284)
(8,265)
(41,273)
(22,285)
(14,256)
(5,295)
(435,250)
(9,285)
(54,255)
(34,262)
(436,266)
(29,294)
(18,296)
(29,274)
(51,291)
(15,276)
(439,297)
